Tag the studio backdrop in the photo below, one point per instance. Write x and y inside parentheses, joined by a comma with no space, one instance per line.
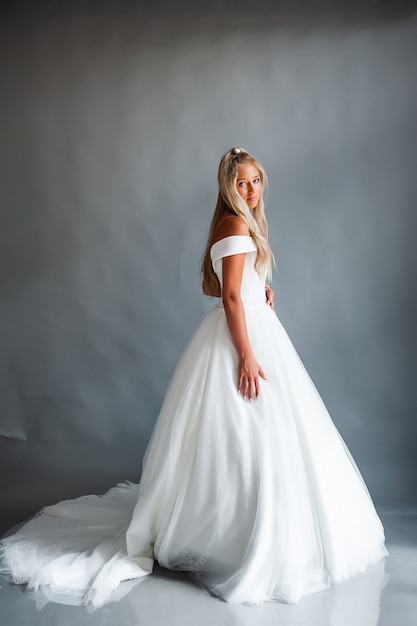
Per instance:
(113,122)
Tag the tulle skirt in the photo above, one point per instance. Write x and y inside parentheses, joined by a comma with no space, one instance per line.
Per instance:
(256,500)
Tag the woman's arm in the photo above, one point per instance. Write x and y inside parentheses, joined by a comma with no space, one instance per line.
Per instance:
(232,266)
(249,370)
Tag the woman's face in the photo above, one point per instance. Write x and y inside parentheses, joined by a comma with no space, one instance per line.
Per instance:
(249,184)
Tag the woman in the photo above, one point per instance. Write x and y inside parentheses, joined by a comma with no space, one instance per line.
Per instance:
(246,483)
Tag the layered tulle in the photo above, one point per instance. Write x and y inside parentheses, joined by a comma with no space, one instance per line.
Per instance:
(256,500)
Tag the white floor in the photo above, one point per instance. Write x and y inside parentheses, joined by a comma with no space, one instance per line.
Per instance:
(378,597)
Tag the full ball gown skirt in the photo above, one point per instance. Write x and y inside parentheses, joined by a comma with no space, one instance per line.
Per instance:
(256,500)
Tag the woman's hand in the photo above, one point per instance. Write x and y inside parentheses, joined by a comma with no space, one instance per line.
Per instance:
(269,296)
(249,373)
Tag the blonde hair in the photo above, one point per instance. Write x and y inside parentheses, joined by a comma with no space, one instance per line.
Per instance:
(230,200)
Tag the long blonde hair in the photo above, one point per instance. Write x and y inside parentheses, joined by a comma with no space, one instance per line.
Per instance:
(230,200)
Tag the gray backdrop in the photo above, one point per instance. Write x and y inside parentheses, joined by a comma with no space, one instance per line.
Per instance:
(112,126)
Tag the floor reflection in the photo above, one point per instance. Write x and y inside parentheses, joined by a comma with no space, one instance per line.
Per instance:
(356,601)
(374,598)
(172,598)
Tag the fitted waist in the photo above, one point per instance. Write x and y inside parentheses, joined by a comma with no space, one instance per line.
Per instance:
(247,302)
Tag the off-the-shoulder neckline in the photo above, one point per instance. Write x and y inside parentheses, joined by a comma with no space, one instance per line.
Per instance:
(230,237)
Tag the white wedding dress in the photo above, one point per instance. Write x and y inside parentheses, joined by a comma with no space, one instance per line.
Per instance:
(256,500)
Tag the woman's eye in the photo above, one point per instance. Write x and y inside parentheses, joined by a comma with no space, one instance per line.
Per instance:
(257,180)
(242,184)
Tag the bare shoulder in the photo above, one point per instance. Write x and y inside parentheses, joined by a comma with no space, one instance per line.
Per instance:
(229,226)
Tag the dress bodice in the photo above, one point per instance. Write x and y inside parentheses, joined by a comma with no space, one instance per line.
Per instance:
(252,290)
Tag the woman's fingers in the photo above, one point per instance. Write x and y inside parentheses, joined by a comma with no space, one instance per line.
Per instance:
(244,386)
(249,385)
(269,293)
(257,390)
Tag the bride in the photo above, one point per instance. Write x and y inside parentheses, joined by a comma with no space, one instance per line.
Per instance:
(246,483)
